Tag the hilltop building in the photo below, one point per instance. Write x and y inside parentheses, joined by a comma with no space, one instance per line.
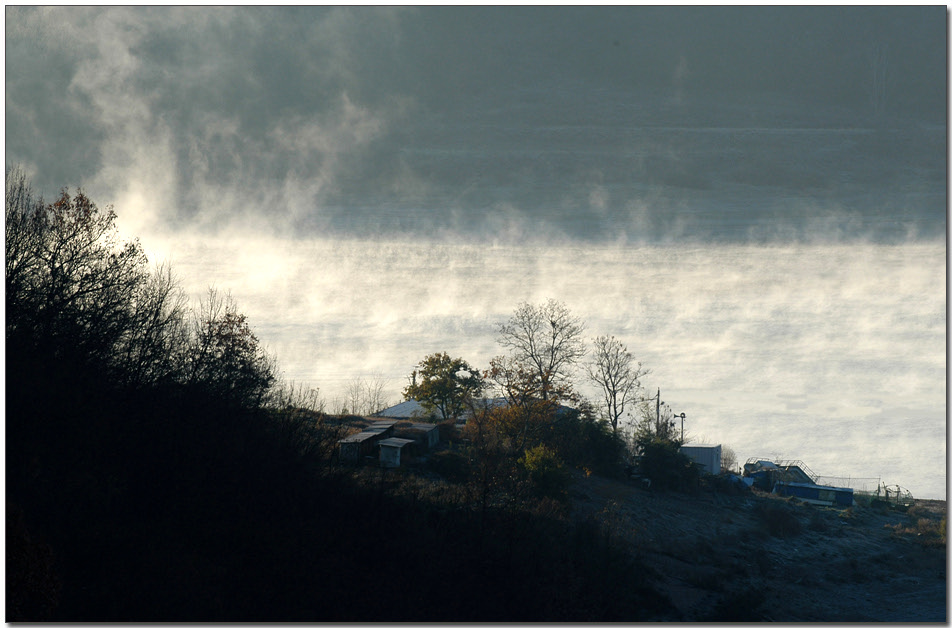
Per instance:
(708,457)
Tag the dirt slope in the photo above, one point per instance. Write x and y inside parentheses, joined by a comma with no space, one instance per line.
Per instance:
(755,557)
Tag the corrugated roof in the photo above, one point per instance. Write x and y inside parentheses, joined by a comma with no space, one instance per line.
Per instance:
(376,430)
(407,409)
(358,438)
(395,442)
(424,427)
(412,409)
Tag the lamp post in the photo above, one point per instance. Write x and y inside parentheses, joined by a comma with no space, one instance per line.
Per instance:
(682,425)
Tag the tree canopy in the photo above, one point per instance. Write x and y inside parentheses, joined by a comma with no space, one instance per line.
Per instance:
(443,385)
(547,338)
(617,375)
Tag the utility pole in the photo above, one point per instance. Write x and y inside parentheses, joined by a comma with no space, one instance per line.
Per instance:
(658,428)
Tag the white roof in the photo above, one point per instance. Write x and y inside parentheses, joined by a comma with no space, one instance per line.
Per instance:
(408,409)
(412,408)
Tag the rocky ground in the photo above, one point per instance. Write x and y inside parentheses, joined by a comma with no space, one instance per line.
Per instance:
(756,557)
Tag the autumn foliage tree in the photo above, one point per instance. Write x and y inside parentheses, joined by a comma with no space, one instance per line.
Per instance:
(226,358)
(542,407)
(531,401)
(544,344)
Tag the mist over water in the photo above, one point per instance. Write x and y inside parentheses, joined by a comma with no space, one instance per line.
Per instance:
(737,193)
(833,354)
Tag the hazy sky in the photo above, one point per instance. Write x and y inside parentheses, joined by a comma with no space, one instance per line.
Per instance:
(753,199)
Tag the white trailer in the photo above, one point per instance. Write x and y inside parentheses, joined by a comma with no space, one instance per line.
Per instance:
(707,456)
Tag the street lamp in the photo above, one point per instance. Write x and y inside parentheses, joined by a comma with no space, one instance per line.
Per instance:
(682,425)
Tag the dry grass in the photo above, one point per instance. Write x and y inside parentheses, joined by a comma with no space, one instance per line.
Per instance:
(925,530)
(759,557)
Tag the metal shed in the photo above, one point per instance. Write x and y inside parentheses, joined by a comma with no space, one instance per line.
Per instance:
(353,448)
(391,450)
(426,435)
(707,456)
(431,433)
(383,428)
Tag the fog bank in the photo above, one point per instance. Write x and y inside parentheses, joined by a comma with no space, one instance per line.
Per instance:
(834,354)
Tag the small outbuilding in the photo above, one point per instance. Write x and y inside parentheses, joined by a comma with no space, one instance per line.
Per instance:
(426,435)
(384,429)
(393,451)
(708,457)
(355,447)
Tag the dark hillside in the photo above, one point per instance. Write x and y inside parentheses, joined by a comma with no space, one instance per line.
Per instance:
(156,471)
(721,556)
(182,529)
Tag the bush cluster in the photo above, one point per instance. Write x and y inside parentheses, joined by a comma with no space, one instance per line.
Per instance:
(549,476)
(668,469)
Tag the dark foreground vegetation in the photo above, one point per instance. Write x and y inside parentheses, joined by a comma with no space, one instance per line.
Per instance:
(157,471)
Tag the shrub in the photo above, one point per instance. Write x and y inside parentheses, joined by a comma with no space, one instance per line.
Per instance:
(450,464)
(926,531)
(583,441)
(780,518)
(547,473)
(818,522)
(33,584)
(666,467)
(448,431)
